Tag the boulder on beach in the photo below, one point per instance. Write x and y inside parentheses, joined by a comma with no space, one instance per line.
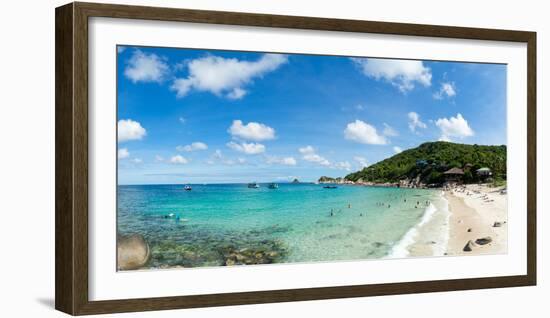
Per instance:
(132,252)
(484,240)
(469,246)
(497,224)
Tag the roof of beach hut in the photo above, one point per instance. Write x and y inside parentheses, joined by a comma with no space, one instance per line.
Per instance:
(454,171)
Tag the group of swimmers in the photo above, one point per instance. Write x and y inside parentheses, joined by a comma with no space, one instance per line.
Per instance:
(427,203)
(381,204)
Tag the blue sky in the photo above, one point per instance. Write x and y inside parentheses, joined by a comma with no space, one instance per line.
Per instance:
(206,116)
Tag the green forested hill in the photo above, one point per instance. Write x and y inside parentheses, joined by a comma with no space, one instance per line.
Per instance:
(431,159)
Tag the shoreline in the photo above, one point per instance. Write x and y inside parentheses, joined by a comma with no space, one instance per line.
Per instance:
(469,215)
(429,236)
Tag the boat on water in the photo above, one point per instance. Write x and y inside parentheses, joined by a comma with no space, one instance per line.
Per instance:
(187,188)
(253,185)
(273,186)
(330,187)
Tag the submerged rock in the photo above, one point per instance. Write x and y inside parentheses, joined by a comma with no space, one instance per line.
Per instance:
(252,255)
(205,247)
(132,252)
(378,244)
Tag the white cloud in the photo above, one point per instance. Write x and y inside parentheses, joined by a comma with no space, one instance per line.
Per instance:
(397,149)
(217,154)
(247,148)
(225,76)
(236,93)
(232,162)
(309,154)
(447,89)
(415,122)
(193,147)
(306,150)
(287,161)
(123,153)
(454,127)
(120,48)
(362,161)
(159,158)
(143,67)
(130,130)
(444,138)
(402,74)
(251,131)
(364,133)
(178,160)
(181,120)
(343,165)
(389,131)
(217,157)
(137,160)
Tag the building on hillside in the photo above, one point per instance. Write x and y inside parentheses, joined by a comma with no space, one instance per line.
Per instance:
(484,172)
(421,163)
(454,175)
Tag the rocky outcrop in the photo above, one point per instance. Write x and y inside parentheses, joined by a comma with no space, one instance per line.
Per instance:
(484,240)
(132,252)
(469,246)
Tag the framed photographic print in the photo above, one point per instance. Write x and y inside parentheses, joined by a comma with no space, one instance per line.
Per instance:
(217,158)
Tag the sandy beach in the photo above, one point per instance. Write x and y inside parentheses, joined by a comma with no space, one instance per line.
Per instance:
(477,212)
(470,213)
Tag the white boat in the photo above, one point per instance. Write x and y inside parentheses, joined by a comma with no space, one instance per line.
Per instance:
(253,185)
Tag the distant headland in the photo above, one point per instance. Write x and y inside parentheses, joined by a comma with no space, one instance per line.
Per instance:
(433,164)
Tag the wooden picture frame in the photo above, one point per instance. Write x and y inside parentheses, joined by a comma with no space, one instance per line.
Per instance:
(71,90)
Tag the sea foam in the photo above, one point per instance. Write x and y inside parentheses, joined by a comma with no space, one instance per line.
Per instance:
(401,248)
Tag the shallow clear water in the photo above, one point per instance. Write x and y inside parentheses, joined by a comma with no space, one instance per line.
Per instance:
(226,224)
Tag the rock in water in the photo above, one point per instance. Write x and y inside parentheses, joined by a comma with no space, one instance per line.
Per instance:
(484,240)
(469,246)
(132,252)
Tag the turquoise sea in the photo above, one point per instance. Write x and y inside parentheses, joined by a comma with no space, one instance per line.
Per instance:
(231,224)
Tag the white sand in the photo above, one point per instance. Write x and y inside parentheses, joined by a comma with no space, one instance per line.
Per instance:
(472,207)
(477,207)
